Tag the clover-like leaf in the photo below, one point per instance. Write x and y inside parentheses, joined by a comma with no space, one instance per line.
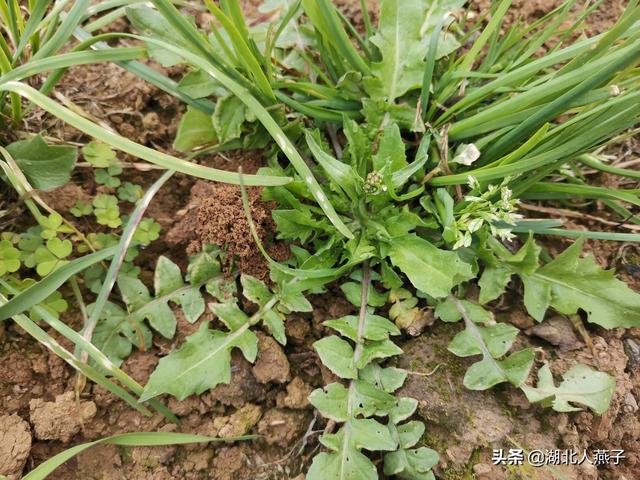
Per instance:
(130,192)
(105,177)
(100,155)
(9,257)
(52,256)
(81,208)
(52,225)
(107,211)
(147,231)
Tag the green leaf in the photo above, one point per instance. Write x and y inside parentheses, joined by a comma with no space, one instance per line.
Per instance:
(390,156)
(107,211)
(9,258)
(52,225)
(375,327)
(199,84)
(234,318)
(388,379)
(45,167)
(570,283)
(429,269)
(81,209)
(368,400)
(353,291)
(493,283)
(255,290)
(337,355)
(204,266)
(410,433)
(195,130)
(581,385)
(345,462)
(103,177)
(168,283)
(348,464)
(229,115)
(294,301)
(201,363)
(129,192)
(448,312)
(403,40)
(411,464)
(332,402)
(275,325)
(116,333)
(405,407)
(489,372)
(147,231)
(39,291)
(52,256)
(498,339)
(141,306)
(377,350)
(340,173)
(100,155)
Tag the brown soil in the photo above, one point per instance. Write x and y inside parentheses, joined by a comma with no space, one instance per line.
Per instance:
(40,416)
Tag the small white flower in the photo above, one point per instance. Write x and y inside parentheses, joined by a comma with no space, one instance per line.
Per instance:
(472,182)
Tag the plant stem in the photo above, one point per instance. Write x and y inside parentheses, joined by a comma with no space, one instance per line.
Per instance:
(362,317)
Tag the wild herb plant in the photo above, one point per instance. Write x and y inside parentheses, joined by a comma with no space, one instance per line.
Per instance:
(398,160)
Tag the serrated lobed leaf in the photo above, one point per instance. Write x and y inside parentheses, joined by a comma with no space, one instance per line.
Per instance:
(403,40)
(581,385)
(570,283)
(201,363)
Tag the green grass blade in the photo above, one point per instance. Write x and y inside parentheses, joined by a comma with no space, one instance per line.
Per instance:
(562,191)
(39,291)
(148,74)
(593,162)
(147,439)
(560,104)
(41,336)
(118,257)
(99,357)
(65,60)
(561,232)
(472,55)
(368,27)
(523,73)
(261,113)
(64,30)
(430,65)
(135,149)
(243,50)
(37,14)
(324,17)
